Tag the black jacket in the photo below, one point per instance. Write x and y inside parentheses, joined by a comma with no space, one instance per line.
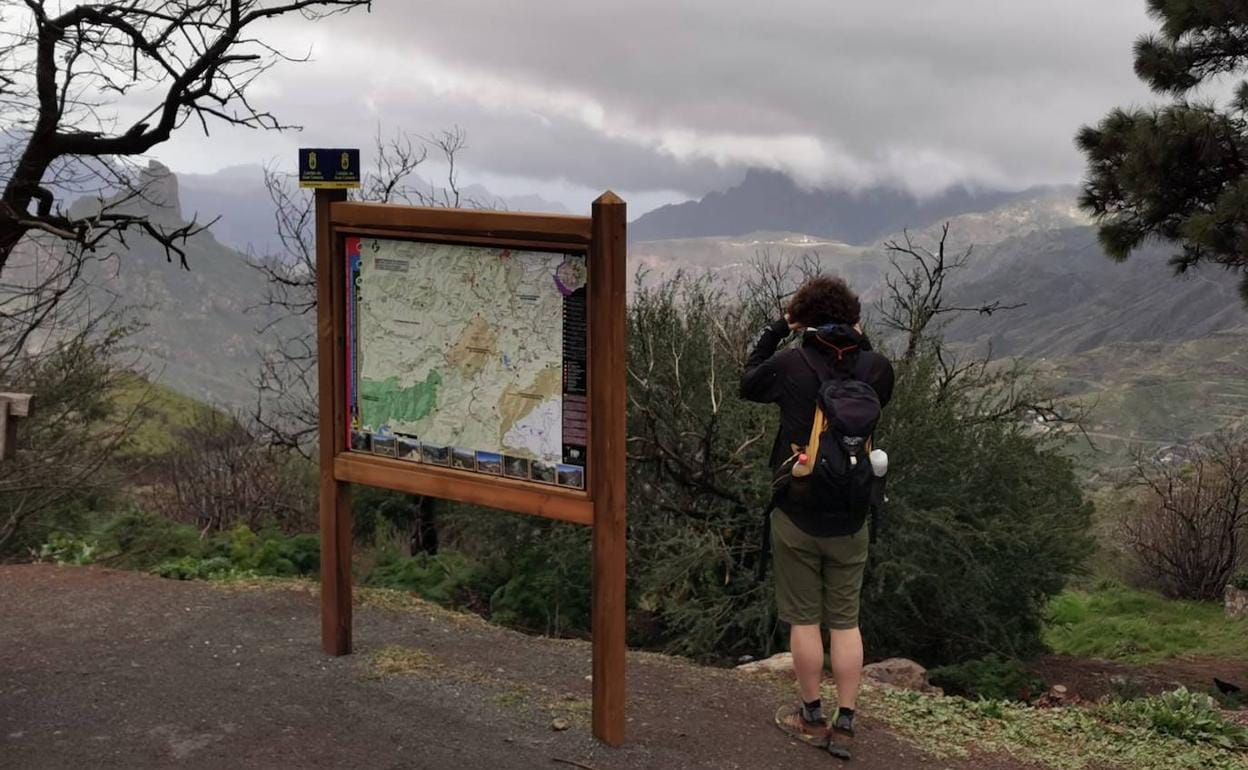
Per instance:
(785,379)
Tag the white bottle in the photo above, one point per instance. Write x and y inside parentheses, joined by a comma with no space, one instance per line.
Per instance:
(879,461)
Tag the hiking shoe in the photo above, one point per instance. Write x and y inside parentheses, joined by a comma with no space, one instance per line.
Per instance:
(789,720)
(841,736)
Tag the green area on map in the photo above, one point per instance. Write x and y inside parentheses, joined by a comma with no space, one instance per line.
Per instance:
(385,402)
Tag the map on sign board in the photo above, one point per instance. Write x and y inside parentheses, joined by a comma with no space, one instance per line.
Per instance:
(468,357)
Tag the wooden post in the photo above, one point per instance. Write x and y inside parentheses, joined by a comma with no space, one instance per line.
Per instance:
(607,353)
(12,407)
(335,496)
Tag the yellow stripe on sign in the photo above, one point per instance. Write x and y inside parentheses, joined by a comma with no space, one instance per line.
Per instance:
(328,185)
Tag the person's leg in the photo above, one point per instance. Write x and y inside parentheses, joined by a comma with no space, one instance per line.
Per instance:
(846,654)
(845,560)
(799,582)
(806,644)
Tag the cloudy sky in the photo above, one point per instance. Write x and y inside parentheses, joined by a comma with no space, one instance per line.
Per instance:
(667,99)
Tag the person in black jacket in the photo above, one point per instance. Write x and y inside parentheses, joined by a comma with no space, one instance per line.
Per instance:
(818,558)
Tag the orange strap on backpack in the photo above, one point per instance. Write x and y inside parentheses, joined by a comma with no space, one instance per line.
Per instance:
(805,464)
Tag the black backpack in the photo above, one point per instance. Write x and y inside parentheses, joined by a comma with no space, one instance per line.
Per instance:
(831,475)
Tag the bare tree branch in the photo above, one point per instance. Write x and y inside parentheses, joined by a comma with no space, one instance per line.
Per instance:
(1189,534)
(915,295)
(61,71)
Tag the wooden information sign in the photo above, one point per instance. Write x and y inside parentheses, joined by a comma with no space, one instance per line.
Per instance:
(476,356)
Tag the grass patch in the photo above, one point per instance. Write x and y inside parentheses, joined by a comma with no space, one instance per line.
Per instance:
(515,697)
(578,711)
(1059,738)
(307,584)
(526,698)
(395,659)
(396,600)
(1117,623)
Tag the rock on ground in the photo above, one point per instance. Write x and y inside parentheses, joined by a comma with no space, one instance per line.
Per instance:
(776,664)
(901,673)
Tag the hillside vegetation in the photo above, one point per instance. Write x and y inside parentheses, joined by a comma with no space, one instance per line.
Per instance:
(161,413)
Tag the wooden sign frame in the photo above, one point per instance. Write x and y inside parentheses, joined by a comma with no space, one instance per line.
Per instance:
(13,407)
(601,505)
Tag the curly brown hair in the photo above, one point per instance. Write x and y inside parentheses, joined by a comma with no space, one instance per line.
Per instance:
(823,300)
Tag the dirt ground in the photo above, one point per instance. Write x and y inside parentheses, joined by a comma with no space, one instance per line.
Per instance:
(102,668)
(1092,680)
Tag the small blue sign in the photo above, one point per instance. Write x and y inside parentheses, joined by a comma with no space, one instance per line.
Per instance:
(329,169)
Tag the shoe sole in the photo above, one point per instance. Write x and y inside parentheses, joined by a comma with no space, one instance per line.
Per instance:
(839,750)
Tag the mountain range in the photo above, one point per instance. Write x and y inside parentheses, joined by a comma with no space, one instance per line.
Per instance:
(769,201)
(1157,355)
(1069,297)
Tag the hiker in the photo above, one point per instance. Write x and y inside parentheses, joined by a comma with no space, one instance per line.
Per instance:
(830,387)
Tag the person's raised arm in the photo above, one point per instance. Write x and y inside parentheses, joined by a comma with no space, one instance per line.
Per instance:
(759,382)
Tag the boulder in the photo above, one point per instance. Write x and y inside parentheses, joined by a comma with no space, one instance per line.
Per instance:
(776,664)
(900,673)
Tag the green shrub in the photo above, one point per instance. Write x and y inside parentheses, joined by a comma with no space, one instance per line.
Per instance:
(304,552)
(375,511)
(447,578)
(69,549)
(990,678)
(243,553)
(269,553)
(538,571)
(141,540)
(191,568)
(519,571)
(64,466)
(986,522)
(548,590)
(1240,581)
(1191,716)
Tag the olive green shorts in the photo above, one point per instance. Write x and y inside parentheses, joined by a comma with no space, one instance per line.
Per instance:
(817,578)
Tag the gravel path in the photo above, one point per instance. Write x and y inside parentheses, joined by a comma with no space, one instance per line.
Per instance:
(103,668)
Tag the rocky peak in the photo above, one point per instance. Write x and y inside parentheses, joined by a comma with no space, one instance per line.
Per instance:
(159,187)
